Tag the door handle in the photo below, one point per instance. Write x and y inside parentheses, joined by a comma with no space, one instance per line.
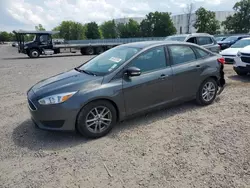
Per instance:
(198,66)
(163,76)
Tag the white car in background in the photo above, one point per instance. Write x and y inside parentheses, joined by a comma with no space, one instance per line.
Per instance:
(230,53)
(242,61)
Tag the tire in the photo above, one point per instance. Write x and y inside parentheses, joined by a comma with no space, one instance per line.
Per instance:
(201,97)
(90,51)
(95,128)
(241,73)
(99,50)
(82,51)
(34,53)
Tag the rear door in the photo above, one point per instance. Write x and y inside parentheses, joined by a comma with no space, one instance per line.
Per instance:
(186,70)
(153,87)
(208,43)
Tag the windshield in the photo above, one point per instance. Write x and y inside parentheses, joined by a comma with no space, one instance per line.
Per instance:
(109,61)
(231,38)
(175,38)
(241,44)
(219,39)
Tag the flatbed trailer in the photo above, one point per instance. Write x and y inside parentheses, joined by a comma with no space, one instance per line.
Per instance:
(44,45)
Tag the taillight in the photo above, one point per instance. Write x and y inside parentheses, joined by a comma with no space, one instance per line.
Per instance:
(221,60)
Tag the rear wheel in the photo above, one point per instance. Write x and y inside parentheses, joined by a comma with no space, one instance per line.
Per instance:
(96,119)
(207,92)
(90,51)
(99,50)
(241,73)
(34,53)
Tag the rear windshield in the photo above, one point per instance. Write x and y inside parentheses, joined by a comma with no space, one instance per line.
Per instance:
(231,38)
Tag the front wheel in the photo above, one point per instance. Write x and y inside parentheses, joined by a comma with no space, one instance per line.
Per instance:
(96,119)
(34,53)
(207,92)
(241,73)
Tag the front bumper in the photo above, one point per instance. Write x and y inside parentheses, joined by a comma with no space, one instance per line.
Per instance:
(59,117)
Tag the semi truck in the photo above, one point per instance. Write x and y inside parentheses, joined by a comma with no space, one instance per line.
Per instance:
(43,44)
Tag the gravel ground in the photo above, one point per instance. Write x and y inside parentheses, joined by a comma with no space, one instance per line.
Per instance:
(183,146)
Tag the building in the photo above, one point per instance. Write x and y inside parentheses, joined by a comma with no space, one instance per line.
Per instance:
(181,21)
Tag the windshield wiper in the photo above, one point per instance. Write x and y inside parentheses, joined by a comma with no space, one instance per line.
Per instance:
(84,71)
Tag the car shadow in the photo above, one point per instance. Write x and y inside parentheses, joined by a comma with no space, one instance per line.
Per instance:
(154,116)
(240,78)
(28,135)
(41,57)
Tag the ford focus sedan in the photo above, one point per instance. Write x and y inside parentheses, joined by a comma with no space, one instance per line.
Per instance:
(123,81)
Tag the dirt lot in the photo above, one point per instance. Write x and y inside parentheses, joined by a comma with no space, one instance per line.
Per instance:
(183,146)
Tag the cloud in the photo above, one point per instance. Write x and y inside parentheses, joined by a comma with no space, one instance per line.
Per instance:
(50,13)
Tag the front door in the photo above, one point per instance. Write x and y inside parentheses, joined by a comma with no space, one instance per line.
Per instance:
(186,71)
(153,87)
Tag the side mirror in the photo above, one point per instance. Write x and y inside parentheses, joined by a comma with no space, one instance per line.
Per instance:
(133,71)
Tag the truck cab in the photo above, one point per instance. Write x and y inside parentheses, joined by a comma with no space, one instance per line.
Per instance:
(41,45)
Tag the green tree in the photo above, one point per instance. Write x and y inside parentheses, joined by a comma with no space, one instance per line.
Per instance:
(157,24)
(108,29)
(128,30)
(240,21)
(4,36)
(206,21)
(39,27)
(70,30)
(92,31)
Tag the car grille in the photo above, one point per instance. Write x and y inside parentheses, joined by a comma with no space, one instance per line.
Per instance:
(245,59)
(245,54)
(31,105)
(230,60)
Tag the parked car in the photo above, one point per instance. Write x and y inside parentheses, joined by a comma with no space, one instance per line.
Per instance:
(14,44)
(230,41)
(124,81)
(242,61)
(230,53)
(220,38)
(202,39)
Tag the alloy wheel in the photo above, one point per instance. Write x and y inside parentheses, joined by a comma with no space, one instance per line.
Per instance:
(208,91)
(98,119)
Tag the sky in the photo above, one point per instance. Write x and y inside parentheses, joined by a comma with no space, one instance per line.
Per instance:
(26,14)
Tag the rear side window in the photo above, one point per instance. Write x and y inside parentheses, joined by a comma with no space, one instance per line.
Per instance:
(204,40)
(181,54)
(201,53)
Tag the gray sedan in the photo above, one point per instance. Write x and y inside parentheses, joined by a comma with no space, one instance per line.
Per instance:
(123,81)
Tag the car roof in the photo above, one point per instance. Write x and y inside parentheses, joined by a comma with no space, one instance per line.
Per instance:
(192,34)
(146,44)
(35,32)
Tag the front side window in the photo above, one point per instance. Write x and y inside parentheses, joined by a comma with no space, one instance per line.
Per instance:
(181,54)
(110,60)
(150,60)
(204,40)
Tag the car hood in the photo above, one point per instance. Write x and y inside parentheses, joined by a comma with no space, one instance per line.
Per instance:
(66,82)
(245,50)
(230,51)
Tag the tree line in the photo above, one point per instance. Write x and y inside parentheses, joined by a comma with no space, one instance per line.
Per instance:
(156,24)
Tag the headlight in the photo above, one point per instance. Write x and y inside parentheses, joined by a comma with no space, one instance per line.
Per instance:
(55,99)
(238,54)
(25,47)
